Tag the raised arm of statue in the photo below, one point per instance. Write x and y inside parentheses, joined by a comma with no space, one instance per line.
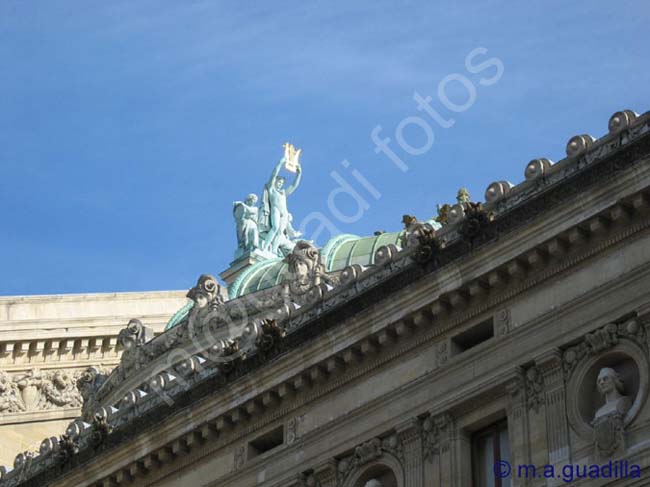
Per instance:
(296,181)
(276,171)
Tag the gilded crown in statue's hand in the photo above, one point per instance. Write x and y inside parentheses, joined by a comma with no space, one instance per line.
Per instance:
(291,157)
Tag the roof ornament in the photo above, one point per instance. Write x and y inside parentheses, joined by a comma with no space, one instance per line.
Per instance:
(267,231)
(422,235)
(307,275)
(453,213)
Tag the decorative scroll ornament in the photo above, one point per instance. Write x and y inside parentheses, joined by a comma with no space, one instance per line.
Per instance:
(207,292)
(603,339)
(132,338)
(134,335)
(88,384)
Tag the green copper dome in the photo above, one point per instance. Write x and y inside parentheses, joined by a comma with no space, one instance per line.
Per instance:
(340,252)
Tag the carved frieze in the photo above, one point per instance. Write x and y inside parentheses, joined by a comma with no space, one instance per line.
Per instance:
(37,390)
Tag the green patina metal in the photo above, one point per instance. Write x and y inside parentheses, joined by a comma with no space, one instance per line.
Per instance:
(180,315)
(333,245)
(258,276)
(340,252)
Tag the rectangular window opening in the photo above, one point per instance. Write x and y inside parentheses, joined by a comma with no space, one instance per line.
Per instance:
(266,442)
(472,337)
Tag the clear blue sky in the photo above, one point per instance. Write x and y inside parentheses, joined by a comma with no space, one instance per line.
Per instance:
(127,129)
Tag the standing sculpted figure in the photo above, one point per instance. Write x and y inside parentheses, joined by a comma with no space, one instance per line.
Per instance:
(246,216)
(275,218)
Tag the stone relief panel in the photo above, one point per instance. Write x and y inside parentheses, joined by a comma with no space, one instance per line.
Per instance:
(37,390)
(295,429)
(534,381)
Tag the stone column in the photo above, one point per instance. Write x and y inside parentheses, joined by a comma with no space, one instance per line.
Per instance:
(410,434)
(518,423)
(449,450)
(557,426)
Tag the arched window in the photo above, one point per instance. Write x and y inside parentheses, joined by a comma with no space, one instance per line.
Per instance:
(378,475)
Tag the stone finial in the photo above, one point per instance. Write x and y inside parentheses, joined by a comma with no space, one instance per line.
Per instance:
(621,120)
(497,190)
(537,167)
(579,144)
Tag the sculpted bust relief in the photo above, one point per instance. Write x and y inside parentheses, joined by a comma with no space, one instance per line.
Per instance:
(610,385)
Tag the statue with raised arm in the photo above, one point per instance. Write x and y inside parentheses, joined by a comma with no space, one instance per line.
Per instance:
(246,215)
(275,219)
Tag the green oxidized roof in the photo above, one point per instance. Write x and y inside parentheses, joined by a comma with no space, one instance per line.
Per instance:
(340,252)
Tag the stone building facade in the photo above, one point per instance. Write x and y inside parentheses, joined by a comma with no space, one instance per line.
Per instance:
(48,342)
(510,346)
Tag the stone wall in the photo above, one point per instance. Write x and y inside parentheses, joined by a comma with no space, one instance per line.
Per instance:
(47,342)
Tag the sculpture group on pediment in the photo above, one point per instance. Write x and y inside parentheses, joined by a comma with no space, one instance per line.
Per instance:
(268,231)
(35,390)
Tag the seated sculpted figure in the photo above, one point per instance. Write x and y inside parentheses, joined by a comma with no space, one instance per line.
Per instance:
(246,215)
(610,385)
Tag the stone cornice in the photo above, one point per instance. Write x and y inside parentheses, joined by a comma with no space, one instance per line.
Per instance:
(418,313)
(419,338)
(614,152)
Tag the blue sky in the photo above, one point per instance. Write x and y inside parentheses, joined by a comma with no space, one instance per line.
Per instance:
(127,129)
